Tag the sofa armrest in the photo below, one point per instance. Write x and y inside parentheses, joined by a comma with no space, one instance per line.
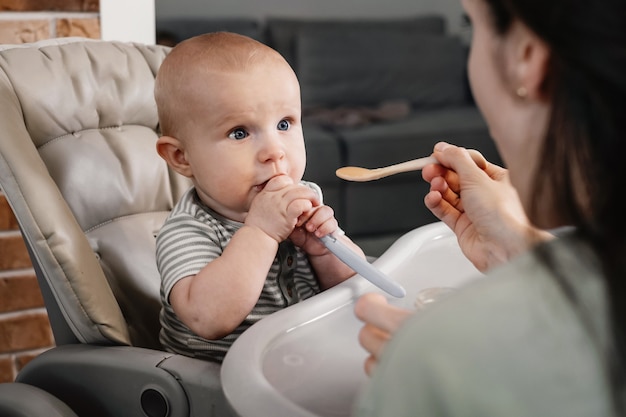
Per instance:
(110,381)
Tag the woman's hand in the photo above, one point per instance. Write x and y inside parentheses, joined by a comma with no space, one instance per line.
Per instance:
(480,205)
(381,322)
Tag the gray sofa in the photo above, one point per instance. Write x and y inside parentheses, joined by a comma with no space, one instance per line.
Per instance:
(374,92)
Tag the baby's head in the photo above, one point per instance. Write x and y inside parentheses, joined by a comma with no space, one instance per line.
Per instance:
(196,67)
(229,111)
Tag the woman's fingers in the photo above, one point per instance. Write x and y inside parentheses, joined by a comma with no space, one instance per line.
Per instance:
(373,309)
(381,321)
(370,364)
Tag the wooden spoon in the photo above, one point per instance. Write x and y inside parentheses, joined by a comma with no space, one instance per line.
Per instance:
(365,174)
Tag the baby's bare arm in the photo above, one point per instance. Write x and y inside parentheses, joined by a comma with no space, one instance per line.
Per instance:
(216,300)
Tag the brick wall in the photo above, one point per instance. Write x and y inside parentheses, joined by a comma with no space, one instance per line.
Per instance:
(24,326)
(32,20)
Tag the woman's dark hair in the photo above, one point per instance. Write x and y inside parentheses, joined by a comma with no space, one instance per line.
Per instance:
(581,165)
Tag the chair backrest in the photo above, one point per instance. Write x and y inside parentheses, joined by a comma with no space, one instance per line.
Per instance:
(78,165)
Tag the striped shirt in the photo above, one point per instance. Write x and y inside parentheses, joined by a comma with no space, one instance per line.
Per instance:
(194,235)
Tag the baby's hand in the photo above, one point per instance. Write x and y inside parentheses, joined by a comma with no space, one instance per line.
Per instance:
(312,225)
(277,208)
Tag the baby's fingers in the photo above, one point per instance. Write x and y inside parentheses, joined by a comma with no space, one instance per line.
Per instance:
(321,221)
(297,207)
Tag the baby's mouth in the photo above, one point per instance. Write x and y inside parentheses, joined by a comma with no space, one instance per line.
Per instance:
(260,187)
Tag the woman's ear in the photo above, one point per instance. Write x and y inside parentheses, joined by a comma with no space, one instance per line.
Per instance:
(530,60)
(173,151)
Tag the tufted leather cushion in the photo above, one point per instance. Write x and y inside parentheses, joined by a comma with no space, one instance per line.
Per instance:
(78,164)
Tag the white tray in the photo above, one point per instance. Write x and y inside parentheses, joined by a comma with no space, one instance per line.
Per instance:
(305,360)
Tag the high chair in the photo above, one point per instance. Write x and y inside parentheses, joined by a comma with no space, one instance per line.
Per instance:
(78,165)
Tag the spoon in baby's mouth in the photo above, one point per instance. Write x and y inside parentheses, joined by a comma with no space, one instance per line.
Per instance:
(360,174)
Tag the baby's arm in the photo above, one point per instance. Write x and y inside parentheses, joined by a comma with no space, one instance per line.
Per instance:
(214,302)
(311,226)
(217,299)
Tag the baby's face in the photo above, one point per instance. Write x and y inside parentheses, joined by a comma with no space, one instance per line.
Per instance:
(247,129)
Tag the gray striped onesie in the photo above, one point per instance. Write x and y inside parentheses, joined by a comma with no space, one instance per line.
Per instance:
(194,235)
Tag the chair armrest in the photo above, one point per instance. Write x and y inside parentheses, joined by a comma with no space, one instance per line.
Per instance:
(110,381)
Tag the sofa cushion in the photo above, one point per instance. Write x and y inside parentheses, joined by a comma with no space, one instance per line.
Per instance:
(183,28)
(385,207)
(324,156)
(361,67)
(389,143)
(396,204)
(281,33)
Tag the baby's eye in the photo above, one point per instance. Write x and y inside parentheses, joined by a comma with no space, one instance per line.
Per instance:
(283,125)
(238,134)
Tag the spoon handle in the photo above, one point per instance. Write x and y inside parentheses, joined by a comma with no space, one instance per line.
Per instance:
(420,163)
(412,165)
(362,267)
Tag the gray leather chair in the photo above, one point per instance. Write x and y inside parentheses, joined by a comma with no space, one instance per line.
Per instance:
(22,400)
(78,165)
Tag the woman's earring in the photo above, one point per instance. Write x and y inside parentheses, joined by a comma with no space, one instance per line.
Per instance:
(522,92)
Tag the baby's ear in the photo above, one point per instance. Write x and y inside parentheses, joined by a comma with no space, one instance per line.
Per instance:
(172,150)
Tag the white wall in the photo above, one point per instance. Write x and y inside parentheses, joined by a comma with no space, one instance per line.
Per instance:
(310,8)
(127,20)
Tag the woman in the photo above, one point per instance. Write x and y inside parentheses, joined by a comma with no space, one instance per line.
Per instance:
(544,333)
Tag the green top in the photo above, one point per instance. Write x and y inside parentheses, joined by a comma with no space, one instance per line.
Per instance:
(512,344)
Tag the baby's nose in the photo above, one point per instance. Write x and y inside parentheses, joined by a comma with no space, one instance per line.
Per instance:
(272,149)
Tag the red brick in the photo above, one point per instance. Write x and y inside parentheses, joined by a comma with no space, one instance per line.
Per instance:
(52,5)
(22,359)
(7,374)
(24,332)
(7,218)
(19,293)
(24,31)
(86,28)
(13,252)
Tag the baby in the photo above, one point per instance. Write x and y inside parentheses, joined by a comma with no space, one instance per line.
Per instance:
(243,242)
